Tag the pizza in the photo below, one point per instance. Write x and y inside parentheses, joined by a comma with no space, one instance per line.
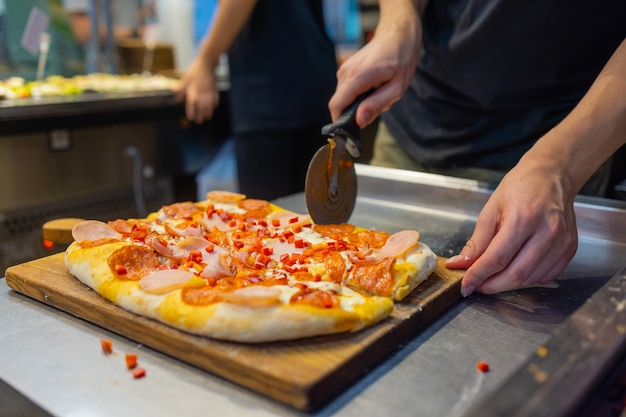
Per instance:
(241,269)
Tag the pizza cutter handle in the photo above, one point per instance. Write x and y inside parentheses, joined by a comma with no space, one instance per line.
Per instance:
(347,127)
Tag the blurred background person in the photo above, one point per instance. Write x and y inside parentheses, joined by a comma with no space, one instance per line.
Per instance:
(126,18)
(282,70)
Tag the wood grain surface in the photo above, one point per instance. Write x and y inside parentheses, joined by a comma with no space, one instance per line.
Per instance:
(305,374)
(60,230)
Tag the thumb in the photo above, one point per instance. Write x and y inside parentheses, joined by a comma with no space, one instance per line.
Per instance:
(484,232)
(465,258)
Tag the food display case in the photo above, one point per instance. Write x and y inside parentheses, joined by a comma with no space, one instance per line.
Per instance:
(90,155)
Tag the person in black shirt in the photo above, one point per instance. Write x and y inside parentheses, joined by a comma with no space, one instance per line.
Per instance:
(282,74)
(530,94)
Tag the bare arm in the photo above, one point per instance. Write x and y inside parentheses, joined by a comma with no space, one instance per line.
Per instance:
(526,233)
(197,86)
(387,63)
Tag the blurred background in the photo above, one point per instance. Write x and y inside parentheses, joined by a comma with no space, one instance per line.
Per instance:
(118,146)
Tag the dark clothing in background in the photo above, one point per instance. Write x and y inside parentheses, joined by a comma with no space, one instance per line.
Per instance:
(495,75)
(282,67)
(282,75)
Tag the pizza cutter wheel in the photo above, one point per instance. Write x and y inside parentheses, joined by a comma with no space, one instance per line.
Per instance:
(331,183)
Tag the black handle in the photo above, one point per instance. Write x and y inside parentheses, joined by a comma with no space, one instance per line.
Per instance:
(346,126)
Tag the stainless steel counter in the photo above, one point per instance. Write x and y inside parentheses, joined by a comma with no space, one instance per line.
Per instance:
(54,359)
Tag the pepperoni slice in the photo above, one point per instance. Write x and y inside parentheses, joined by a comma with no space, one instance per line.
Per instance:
(224,196)
(200,296)
(124,227)
(315,297)
(335,266)
(133,262)
(371,238)
(377,278)
(254,208)
(334,231)
(184,210)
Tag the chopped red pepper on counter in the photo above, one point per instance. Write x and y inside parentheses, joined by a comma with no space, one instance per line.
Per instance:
(107,346)
(482,366)
(131,360)
(138,373)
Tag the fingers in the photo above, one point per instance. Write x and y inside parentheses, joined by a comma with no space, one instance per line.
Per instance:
(532,265)
(345,94)
(200,106)
(378,102)
(359,75)
(525,251)
(484,232)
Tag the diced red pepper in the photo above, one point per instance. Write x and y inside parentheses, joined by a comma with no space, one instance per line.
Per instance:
(482,366)
(120,269)
(138,372)
(107,346)
(131,360)
(195,256)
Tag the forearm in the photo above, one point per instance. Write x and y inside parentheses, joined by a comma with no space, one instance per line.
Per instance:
(594,130)
(400,14)
(231,16)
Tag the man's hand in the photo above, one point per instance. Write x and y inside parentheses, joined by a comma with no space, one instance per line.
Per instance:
(198,89)
(387,64)
(525,234)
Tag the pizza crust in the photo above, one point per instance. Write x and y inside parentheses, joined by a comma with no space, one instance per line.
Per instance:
(417,266)
(222,320)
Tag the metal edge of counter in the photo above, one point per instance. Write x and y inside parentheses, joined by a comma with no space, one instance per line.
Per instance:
(561,376)
(472,195)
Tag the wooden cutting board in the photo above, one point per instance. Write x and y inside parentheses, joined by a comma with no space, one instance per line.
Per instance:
(305,374)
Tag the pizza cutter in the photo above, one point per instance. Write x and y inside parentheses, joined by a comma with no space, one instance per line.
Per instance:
(331,185)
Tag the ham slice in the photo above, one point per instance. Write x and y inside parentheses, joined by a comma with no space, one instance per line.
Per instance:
(194,243)
(216,222)
(282,248)
(254,296)
(397,244)
(216,266)
(165,280)
(94,230)
(166,249)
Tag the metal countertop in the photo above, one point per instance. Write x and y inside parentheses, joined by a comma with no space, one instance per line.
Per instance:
(54,360)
